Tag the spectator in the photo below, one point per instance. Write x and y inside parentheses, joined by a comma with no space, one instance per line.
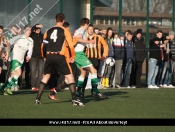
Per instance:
(129,58)
(169,73)
(140,53)
(160,63)
(37,61)
(165,67)
(118,56)
(107,72)
(155,58)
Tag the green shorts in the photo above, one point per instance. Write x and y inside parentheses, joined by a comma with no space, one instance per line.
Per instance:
(81,61)
(14,65)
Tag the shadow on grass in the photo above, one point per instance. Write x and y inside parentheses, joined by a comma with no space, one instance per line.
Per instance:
(89,98)
(29,91)
(24,92)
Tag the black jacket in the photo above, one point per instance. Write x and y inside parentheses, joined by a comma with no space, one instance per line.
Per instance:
(118,49)
(140,49)
(38,39)
(154,52)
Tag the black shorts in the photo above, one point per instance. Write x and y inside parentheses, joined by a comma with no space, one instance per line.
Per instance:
(57,63)
(95,62)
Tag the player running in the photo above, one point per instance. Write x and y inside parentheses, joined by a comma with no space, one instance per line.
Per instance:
(83,63)
(22,44)
(58,38)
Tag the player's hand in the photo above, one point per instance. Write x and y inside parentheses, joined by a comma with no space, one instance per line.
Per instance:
(71,60)
(91,42)
(39,26)
(156,42)
(103,57)
(163,45)
(168,50)
(27,59)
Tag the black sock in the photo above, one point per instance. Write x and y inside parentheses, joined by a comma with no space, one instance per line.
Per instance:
(41,89)
(63,85)
(72,89)
(84,84)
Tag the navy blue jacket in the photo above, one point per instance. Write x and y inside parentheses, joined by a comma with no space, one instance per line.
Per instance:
(129,50)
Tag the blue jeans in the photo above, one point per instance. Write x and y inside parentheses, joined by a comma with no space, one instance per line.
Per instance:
(164,72)
(127,74)
(160,72)
(152,73)
(169,73)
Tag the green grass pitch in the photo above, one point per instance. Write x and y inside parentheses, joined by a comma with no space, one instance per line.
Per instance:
(123,103)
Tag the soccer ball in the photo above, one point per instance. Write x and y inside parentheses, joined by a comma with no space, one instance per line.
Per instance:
(110,61)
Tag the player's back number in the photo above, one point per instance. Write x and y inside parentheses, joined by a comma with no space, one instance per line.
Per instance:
(54,35)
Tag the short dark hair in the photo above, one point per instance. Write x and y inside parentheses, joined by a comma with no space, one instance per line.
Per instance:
(60,17)
(130,33)
(84,21)
(127,31)
(90,25)
(66,24)
(159,31)
(96,28)
(116,33)
(1,27)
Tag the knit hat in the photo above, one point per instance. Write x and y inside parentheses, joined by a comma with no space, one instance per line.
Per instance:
(139,31)
(171,33)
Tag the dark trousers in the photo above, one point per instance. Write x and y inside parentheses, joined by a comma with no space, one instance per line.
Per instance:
(133,74)
(138,73)
(36,65)
(160,70)
(27,75)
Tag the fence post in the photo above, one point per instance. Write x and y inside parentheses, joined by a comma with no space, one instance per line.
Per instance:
(173,13)
(29,10)
(147,38)
(120,16)
(61,6)
(91,11)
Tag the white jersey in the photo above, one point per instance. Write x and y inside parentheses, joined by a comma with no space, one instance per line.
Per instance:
(21,46)
(80,46)
(118,42)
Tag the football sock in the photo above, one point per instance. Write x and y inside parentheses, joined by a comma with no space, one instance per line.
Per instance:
(63,85)
(41,89)
(84,84)
(11,81)
(72,89)
(80,84)
(94,83)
